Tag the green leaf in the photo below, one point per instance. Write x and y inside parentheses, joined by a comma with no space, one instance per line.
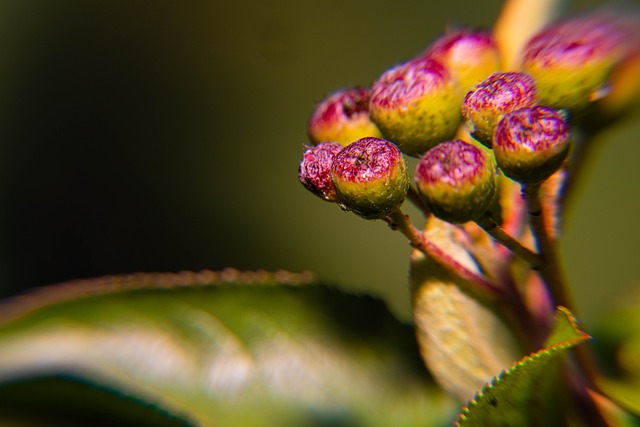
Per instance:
(227,349)
(508,399)
(462,340)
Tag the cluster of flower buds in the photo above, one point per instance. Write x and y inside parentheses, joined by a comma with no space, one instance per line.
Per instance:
(572,61)
(514,121)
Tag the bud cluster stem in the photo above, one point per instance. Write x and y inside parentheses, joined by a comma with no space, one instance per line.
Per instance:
(552,275)
(550,267)
(494,230)
(399,221)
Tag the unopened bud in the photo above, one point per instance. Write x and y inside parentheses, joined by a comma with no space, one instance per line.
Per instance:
(315,170)
(370,177)
(488,101)
(416,105)
(343,117)
(571,61)
(457,180)
(531,144)
(470,55)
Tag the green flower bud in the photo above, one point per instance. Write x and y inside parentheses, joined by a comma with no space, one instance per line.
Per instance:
(315,170)
(416,105)
(531,144)
(470,55)
(487,102)
(370,177)
(457,180)
(571,61)
(343,117)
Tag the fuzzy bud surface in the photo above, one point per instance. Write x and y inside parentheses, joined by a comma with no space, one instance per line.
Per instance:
(343,117)
(531,144)
(416,105)
(499,94)
(471,55)
(314,171)
(370,177)
(572,60)
(457,180)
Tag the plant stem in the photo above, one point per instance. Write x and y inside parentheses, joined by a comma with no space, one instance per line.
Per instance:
(494,230)
(549,269)
(552,275)
(400,221)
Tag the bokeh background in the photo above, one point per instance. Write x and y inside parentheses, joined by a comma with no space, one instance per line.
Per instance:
(157,135)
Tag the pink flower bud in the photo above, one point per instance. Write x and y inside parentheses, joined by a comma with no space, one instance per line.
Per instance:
(343,117)
(370,177)
(457,180)
(416,105)
(572,60)
(531,144)
(315,170)
(487,102)
(471,55)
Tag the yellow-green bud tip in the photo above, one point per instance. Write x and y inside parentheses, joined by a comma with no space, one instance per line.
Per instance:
(370,177)
(416,105)
(531,144)
(457,180)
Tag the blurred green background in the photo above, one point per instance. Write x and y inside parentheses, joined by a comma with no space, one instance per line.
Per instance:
(165,135)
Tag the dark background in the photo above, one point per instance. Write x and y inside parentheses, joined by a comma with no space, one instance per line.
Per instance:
(165,135)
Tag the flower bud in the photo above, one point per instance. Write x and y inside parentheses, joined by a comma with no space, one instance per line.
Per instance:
(571,61)
(416,105)
(531,144)
(457,180)
(370,177)
(315,170)
(487,102)
(470,55)
(343,117)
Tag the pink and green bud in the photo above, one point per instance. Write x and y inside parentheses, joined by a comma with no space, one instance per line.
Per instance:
(457,180)
(416,105)
(343,117)
(487,102)
(370,177)
(315,170)
(470,55)
(571,61)
(531,144)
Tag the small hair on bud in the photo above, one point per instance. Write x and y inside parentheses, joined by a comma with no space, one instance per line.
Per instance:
(314,171)
(457,180)
(370,177)
(489,100)
(342,117)
(531,144)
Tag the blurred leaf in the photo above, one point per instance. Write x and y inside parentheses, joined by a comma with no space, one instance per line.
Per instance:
(227,349)
(619,344)
(462,340)
(64,401)
(511,397)
(612,413)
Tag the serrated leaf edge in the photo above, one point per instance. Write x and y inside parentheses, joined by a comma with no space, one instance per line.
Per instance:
(21,305)
(522,362)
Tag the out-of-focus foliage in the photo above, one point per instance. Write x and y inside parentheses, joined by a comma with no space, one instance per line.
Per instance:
(248,352)
(619,342)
